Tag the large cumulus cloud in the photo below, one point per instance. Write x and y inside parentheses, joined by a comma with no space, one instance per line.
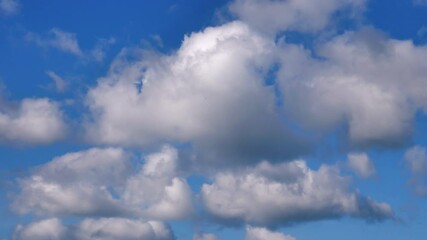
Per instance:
(211,93)
(219,92)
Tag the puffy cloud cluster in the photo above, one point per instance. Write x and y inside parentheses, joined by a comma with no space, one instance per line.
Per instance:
(213,94)
(90,229)
(32,121)
(287,193)
(298,15)
(101,182)
(237,96)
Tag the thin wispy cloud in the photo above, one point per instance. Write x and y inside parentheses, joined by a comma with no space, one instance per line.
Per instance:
(59,39)
(416,160)
(60,84)
(9,7)
(98,53)
(67,42)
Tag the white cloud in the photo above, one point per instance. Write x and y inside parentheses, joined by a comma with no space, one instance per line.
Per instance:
(76,184)
(9,7)
(65,41)
(101,182)
(211,93)
(90,229)
(156,190)
(60,83)
(300,15)
(254,233)
(205,236)
(365,81)
(119,228)
(416,160)
(34,121)
(361,165)
(261,196)
(51,229)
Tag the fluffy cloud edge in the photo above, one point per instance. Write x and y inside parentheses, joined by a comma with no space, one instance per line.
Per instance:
(35,121)
(284,194)
(102,229)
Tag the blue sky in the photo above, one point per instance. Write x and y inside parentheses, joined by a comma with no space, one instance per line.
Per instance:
(239,119)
